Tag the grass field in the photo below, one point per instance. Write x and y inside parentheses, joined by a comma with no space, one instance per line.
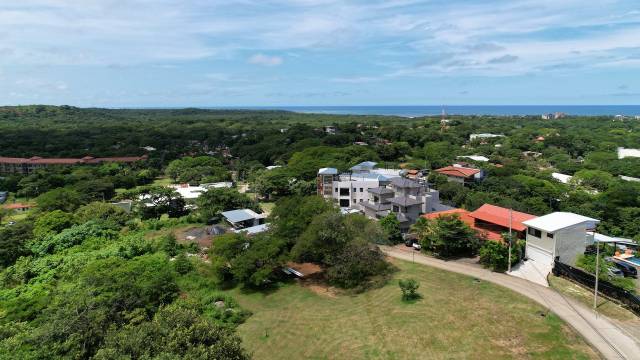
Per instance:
(457,318)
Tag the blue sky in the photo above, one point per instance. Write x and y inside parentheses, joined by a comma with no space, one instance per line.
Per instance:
(319,52)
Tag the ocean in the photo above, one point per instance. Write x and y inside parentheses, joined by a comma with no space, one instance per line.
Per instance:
(500,110)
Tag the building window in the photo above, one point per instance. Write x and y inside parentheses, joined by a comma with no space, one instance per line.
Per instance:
(534,232)
(344,191)
(396,209)
(335,189)
(550,235)
(361,190)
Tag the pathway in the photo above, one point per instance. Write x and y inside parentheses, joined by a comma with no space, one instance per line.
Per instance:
(610,340)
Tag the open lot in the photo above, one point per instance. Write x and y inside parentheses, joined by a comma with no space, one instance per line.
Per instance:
(457,318)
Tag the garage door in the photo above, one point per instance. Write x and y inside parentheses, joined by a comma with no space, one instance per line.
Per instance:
(543,260)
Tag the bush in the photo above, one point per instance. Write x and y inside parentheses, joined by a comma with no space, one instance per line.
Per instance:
(409,288)
(182,265)
(494,255)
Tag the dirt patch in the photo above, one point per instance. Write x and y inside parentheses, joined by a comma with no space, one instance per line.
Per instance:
(319,288)
(194,234)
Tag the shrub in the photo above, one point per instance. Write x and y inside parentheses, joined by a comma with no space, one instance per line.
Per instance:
(409,288)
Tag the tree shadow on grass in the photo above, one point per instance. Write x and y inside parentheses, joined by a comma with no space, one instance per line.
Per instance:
(411,299)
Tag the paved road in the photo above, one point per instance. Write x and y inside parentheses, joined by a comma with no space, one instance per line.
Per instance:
(611,341)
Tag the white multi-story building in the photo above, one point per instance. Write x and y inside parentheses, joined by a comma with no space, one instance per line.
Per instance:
(349,190)
(379,192)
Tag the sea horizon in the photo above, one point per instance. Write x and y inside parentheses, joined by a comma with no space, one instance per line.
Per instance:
(436,110)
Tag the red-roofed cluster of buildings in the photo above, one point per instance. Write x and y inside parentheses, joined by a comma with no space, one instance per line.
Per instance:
(11,165)
(490,220)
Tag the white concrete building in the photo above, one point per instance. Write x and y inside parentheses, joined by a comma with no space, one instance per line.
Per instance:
(349,190)
(474,158)
(559,235)
(563,178)
(623,153)
(484,136)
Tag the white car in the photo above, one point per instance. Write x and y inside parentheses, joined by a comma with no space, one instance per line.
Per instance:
(417,246)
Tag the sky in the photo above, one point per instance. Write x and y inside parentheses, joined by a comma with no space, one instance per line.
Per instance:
(172,53)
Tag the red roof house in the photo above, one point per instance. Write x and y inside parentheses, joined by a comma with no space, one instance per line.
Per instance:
(489,220)
(495,220)
(460,174)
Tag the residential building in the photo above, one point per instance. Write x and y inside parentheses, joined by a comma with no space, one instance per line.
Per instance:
(331,130)
(558,235)
(461,174)
(406,198)
(495,220)
(350,189)
(243,218)
(490,220)
(10,165)
(3,196)
(474,158)
(484,136)
(563,178)
(19,207)
(622,177)
(623,153)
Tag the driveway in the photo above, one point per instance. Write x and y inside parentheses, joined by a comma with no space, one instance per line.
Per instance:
(610,340)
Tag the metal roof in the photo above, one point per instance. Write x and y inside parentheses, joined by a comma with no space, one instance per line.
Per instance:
(328,171)
(559,220)
(254,229)
(404,183)
(235,216)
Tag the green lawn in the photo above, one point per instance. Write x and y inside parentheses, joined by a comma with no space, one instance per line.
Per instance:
(457,318)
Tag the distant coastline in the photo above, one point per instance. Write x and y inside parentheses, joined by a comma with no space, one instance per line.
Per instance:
(431,110)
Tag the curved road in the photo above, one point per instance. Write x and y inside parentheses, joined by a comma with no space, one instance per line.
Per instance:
(598,330)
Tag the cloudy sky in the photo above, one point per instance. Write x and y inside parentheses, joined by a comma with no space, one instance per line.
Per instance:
(319,52)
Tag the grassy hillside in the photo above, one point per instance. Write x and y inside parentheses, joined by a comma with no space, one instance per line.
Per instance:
(456,318)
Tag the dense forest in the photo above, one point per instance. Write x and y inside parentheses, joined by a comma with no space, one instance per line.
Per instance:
(82,278)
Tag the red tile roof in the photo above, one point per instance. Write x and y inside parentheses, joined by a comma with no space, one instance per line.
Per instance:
(458,171)
(500,216)
(467,219)
(17,206)
(462,213)
(65,161)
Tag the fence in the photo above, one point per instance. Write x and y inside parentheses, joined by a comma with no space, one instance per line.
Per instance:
(615,292)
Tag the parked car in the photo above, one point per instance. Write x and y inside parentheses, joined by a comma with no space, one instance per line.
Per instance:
(408,243)
(627,270)
(614,272)
(417,246)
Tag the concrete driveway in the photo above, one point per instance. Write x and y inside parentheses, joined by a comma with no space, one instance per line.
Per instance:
(610,340)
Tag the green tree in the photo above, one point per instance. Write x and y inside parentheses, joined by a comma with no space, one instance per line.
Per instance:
(391,227)
(13,242)
(194,170)
(214,201)
(450,236)
(291,215)
(409,288)
(63,199)
(182,265)
(107,214)
(175,332)
(52,223)
(494,255)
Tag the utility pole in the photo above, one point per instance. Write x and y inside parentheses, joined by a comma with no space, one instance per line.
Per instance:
(510,240)
(595,292)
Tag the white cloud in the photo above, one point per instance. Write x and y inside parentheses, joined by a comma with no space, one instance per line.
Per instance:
(266,60)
